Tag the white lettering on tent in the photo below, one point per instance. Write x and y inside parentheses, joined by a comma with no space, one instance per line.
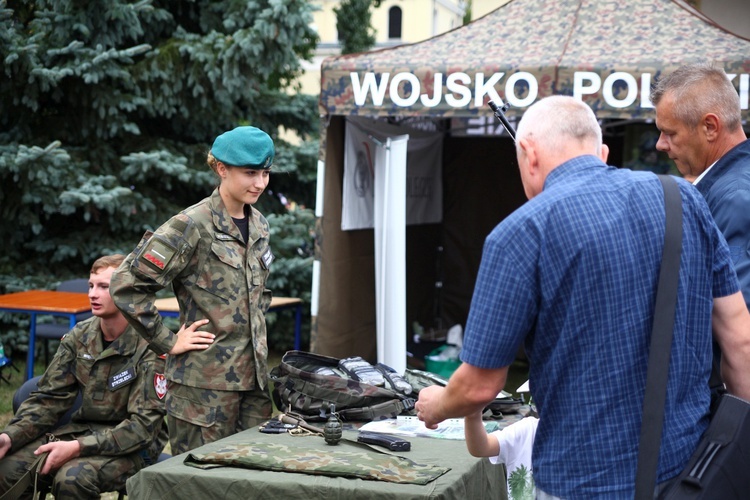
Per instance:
(510,89)
(415,89)
(453,84)
(437,86)
(483,88)
(609,83)
(744,88)
(369,86)
(459,90)
(579,89)
(645,96)
(479,125)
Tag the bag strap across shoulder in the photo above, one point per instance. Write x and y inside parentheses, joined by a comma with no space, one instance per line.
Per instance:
(661,344)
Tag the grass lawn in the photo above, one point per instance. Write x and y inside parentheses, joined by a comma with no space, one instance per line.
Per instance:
(8,387)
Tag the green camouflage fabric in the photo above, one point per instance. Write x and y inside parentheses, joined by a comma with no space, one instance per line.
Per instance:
(297,388)
(214,276)
(120,431)
(282,458)
(199,416)
(606,52)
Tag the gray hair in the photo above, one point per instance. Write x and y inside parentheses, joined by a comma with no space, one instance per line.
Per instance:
(698,89)
(557,120)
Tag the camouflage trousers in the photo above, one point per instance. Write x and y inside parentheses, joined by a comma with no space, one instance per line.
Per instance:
(198,416)
(82,477)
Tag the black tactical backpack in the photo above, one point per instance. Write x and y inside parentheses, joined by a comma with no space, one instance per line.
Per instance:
(308,384)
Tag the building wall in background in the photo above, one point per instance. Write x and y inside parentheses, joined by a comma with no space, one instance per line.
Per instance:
(479,8)
(420,20)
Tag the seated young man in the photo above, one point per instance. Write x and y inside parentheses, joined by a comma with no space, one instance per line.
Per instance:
(119,428)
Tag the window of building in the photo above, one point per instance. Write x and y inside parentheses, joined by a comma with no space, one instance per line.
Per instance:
(394,22)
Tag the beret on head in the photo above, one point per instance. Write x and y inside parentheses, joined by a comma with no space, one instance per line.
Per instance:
(246,147)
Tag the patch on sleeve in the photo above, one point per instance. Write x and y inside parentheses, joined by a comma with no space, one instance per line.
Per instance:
(267,259)
(158,253)
(160,385)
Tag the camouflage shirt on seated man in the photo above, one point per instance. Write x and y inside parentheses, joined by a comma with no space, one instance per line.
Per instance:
(120,423)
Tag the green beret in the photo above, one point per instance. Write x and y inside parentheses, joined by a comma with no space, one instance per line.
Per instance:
(246,147)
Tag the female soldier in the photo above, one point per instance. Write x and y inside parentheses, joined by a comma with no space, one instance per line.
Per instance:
(216,256)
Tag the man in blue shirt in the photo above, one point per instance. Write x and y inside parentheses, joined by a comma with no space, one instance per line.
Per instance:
(699,116)
(573,273)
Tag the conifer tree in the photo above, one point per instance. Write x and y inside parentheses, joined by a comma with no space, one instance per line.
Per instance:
(353,23)
(108,108)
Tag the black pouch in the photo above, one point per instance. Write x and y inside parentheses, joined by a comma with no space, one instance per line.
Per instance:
(720,466)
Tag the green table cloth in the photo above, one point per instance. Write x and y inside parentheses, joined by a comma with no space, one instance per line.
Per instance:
(469,478)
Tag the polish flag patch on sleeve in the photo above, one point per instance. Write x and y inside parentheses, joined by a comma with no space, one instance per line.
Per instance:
(160,385)
(158,253)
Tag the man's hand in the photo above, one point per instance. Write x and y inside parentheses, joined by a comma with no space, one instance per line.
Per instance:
(468,391)
(428,406)
(191,339)
(5,444)
(60,452)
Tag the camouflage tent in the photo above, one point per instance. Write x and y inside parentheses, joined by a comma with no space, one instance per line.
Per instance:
(605,52)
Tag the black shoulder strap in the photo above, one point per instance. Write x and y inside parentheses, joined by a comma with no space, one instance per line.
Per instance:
(661,344)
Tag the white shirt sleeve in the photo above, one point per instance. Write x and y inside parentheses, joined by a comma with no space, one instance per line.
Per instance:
(516,443)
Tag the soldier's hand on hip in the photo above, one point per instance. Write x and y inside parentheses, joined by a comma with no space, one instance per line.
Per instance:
(5,444)
(189,338)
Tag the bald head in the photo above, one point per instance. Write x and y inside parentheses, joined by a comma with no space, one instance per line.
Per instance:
(559,123)
(552,131)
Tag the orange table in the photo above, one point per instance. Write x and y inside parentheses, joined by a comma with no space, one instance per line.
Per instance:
(169,307)
(34,302)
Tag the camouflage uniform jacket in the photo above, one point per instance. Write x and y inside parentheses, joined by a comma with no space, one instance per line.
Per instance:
(116,422)
(214,276)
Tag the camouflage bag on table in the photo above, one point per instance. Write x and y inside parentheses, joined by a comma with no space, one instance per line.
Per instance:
(308,384)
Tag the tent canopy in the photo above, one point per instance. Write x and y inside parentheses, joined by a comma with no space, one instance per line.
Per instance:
(606,52)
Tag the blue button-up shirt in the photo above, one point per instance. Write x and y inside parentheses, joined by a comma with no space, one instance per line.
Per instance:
(574,273)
